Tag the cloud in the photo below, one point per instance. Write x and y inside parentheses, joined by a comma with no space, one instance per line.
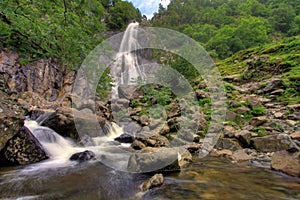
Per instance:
(148,7)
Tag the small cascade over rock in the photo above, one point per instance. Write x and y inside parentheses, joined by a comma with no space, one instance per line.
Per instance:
(55,145)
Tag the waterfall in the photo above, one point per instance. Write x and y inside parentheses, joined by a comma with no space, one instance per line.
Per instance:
(55,145)
(126,70)
(60,148)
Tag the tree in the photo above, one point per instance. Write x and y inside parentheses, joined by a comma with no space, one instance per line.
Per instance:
(282,17)
(121,14)
(253,31)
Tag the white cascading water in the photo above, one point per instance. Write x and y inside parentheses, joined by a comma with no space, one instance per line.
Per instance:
(56,146)
(59,147)
(126,70)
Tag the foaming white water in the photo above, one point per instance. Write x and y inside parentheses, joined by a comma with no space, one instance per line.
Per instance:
(57,147)
(113,131)
(61,149)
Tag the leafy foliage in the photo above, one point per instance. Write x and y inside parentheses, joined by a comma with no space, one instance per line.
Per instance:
(225,27)
(67,30)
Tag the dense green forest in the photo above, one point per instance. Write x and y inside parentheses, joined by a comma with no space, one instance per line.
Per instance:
(224,27)
(66,30)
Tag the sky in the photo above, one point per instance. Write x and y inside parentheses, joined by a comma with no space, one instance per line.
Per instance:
(148,7)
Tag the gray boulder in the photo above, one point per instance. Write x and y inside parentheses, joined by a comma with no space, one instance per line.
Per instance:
(162,160)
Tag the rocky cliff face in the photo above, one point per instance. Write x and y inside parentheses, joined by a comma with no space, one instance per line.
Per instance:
(47,78)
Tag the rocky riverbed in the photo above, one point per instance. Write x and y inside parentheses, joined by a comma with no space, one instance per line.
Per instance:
(259,129)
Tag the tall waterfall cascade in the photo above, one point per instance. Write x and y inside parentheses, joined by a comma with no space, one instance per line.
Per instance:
(127,70)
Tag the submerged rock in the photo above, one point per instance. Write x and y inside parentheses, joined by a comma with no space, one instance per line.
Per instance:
(286,162)
(241,155)
(83,156)
(155,181)
(22,149)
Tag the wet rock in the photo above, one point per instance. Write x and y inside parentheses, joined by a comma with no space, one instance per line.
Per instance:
(273,143)
(156,181)
(38,114)
(286,162)
(163,160)
(184,159)
(46,80)
(83,156)
(154,140)
(125,138)
(223,152)
(23,148)
(226,143)
(131,127)
(193,148)
(241,156)
(138,145)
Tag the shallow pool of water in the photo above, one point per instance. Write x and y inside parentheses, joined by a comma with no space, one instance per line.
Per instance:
(209,178)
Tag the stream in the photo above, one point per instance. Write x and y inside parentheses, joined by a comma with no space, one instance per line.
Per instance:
(208,178)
